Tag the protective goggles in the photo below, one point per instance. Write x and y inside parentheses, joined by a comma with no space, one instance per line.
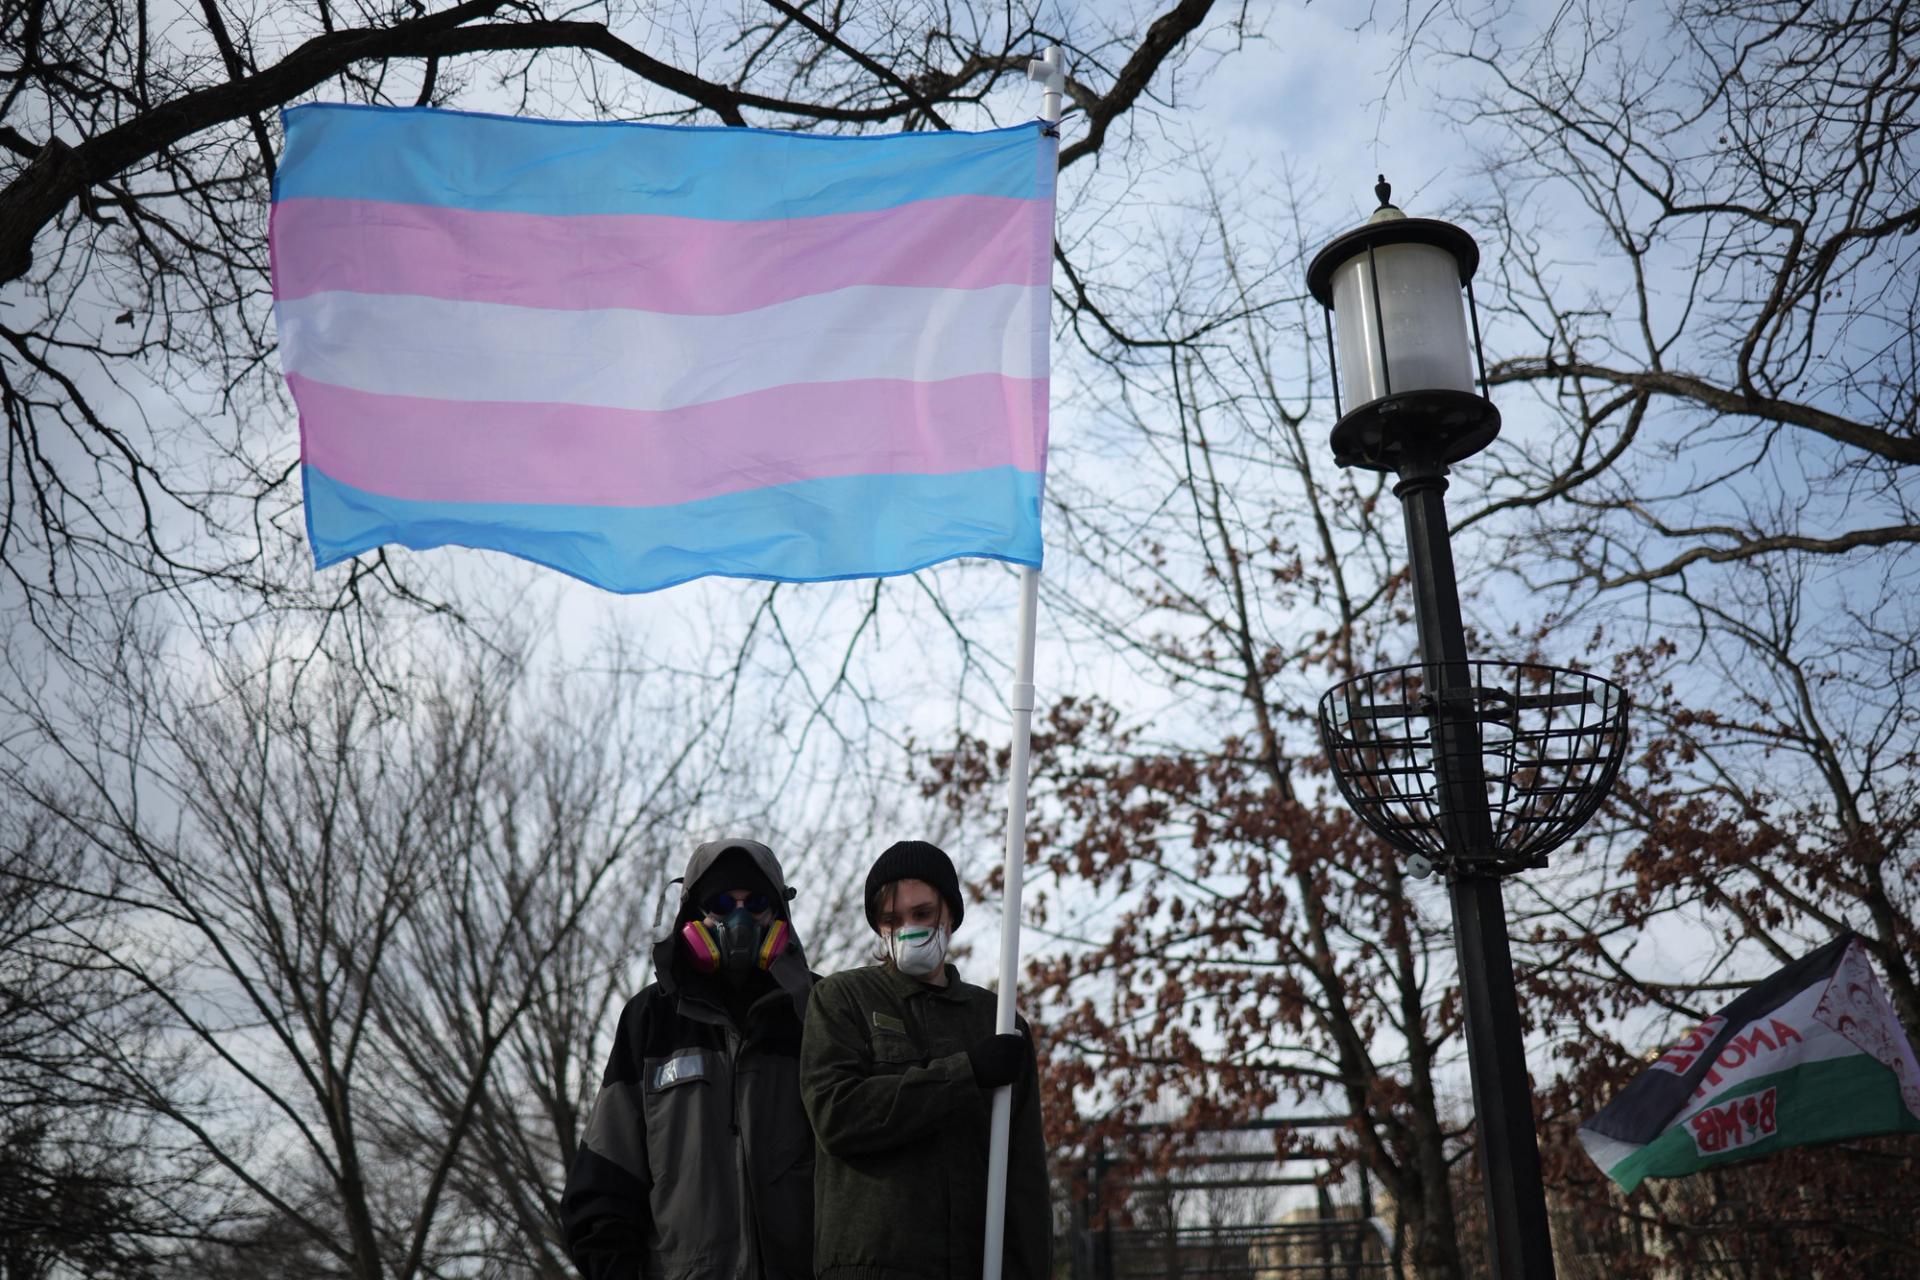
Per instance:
(721,904)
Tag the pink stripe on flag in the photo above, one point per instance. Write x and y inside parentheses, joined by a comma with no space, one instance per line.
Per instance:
(681,266)
(489,451)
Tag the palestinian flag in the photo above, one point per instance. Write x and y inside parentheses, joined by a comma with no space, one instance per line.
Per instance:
(1812,1054)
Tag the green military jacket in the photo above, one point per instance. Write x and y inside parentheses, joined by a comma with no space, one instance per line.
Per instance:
(901,1133)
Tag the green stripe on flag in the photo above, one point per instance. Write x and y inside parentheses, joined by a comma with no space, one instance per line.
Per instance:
(1846,1097)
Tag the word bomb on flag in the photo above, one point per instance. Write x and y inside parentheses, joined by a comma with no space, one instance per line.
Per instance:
(1739,1123)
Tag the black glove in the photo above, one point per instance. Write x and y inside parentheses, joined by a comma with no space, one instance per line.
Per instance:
(996,1060)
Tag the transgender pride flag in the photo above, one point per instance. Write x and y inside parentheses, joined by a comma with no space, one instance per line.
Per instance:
(642,354)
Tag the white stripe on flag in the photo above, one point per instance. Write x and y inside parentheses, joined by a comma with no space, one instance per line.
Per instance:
(401,344)
(1754,1051)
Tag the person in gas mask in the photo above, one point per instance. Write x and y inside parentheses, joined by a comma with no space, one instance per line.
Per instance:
(697,1161)
(897,1064)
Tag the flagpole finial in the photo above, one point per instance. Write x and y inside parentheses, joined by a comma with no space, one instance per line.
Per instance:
(1050,73)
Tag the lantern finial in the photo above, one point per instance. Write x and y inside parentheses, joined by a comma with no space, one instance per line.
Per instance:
(1384,190)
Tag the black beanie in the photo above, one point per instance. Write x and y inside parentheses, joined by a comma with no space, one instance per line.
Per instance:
(914,860)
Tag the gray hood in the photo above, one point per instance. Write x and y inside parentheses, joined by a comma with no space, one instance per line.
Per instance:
(790,970)
(709,853)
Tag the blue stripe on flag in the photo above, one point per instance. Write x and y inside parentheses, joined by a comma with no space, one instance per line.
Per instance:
(409,155)
(809,531)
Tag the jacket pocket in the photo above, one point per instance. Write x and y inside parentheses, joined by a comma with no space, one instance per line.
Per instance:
(687,1098)
(894,1053)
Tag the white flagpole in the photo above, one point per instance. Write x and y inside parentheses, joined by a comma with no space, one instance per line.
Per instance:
(1052,77)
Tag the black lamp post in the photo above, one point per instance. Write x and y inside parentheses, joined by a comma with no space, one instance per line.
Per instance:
(1473,768)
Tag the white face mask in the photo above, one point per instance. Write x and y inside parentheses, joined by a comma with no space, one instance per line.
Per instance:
(918,950)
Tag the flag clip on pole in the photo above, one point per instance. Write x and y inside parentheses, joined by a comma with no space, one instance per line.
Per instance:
(1048,72)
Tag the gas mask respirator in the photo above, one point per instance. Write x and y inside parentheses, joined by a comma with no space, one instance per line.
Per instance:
(735,946)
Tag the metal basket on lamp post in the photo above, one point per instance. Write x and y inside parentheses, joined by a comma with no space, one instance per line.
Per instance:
(1549,745)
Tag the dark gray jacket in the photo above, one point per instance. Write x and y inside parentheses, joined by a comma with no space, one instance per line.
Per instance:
(697,1162)
(902,1133)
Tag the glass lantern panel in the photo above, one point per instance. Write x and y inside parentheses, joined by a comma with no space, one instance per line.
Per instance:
(1425,327)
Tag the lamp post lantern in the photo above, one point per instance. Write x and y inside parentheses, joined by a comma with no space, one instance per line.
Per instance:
(1472,768)
(1401,353)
